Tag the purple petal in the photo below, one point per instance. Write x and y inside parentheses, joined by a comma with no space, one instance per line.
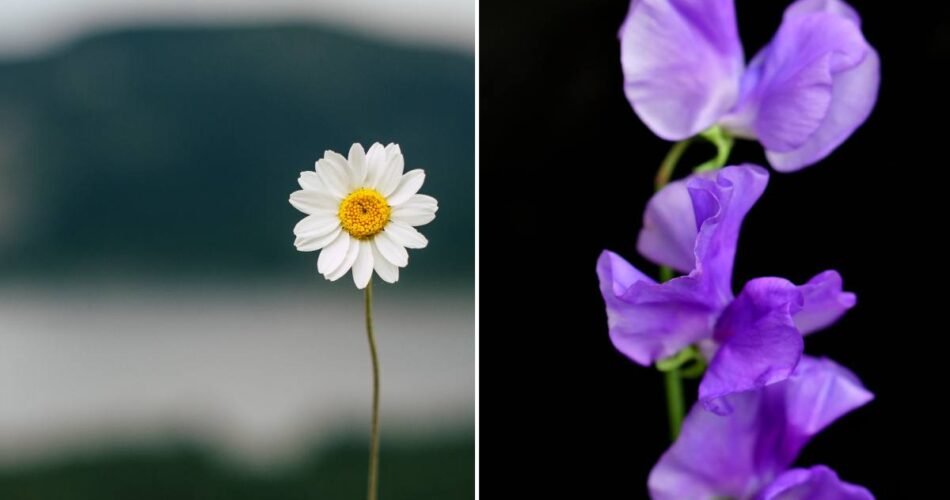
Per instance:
(824,302)
(759,344)
(738,455)
(836,7)
(669,229)
(810,88)
(719,206)
(797,72)
(682,63)
(649,321)
(852,99)
(816,483)
(819,392)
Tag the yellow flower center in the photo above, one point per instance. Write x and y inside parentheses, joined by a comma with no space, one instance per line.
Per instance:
(364,213)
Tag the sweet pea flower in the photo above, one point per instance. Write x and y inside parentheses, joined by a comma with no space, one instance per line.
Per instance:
(747,455)
(753,339)
(801,96)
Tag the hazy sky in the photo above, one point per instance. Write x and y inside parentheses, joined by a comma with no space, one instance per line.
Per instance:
(29,26)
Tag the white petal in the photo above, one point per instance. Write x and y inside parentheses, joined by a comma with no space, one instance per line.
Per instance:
(316,225)
(357,166)
(420,201)
(310,181)
(386,270)
(332,256)
(405,235)
(310,202)
(335,178)
(392,251)
(311,243)
(376,164)
(363,267)
(392,149)
(351,253)
(391,175)
(337,159)
(408,186)
(413,216)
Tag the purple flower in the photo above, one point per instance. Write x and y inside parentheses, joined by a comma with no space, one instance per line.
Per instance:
(753,339)
(801,96)
(747,455)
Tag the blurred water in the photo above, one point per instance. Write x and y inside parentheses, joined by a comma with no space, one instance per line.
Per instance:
(259,372)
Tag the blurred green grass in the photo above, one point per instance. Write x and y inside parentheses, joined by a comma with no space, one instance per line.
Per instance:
(434,468)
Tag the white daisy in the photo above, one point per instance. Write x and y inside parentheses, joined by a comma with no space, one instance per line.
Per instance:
(361,211)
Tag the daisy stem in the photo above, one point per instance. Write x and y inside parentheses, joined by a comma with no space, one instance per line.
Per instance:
(374,429)
(665,172)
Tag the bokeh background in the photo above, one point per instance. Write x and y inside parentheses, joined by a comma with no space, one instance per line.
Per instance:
(160,337)
(553,117)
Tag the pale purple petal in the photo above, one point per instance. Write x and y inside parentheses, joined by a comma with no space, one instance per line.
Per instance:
(669,229)
(822,391)
(810,87)
(682,61)
(815,483)
(798,73)
(853,98)
(759,344)
(649,321)
(836,7)
(740,455)
(719,206)
(824,302)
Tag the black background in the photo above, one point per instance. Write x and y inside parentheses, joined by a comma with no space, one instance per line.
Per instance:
(565,170)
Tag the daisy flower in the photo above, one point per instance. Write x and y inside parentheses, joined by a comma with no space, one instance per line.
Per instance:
(361,210)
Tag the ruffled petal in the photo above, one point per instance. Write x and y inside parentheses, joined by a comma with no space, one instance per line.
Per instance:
(810,87)
(682,62)
(649,321)
(669,229)
(836,7)
(759,344)
(852,99)
(824,302)
(815,483)
(735,456)
(720,204)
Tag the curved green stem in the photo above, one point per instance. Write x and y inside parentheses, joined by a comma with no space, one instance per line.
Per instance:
(674,368)
(665,172)
(723,142)
(373,486)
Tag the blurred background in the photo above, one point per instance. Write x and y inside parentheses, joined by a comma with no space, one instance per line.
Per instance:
(160,337)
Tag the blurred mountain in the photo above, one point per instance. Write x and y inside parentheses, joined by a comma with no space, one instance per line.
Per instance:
(171,152)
